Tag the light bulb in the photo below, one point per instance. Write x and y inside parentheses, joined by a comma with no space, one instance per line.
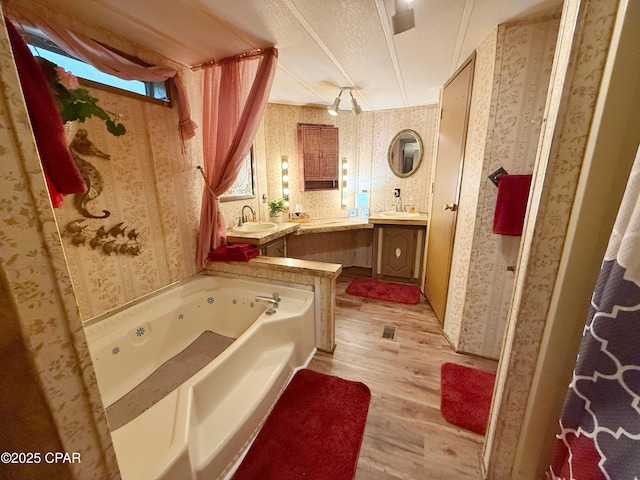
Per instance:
(333,109)
(285,178)
(285,191)
(285,165)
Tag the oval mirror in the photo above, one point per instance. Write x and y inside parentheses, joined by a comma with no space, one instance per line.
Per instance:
(405,153)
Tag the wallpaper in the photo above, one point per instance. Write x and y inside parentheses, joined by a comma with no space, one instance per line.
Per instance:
(38,301)
(471,171)
(147,188)
(363,142)
(513,66)
(580,59)
(151,184)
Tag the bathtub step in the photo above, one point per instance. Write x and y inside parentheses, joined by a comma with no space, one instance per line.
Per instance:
(142,441)
(239,413)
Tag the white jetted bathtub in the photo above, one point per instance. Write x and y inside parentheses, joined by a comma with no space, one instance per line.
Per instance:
(187,375)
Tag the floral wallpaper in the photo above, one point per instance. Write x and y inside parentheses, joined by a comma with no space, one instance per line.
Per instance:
(148,186)
(363,140)
(472,170)
(363,143)
(513,66)
(585,35)
(39,301)
(152,185)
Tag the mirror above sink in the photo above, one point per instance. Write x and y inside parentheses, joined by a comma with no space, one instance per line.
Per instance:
(405,153)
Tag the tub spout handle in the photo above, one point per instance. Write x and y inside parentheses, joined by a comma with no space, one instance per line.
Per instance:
(273,303)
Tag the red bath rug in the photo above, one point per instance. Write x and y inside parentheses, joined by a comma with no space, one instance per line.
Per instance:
(314,431)
(466,396)
(389,291)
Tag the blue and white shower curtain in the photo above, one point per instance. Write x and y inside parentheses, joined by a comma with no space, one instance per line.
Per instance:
(599,434)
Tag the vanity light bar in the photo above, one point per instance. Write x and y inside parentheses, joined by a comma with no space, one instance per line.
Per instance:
(284,163)
(345,166)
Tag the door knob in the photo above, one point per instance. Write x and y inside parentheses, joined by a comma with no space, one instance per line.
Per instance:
(450,206)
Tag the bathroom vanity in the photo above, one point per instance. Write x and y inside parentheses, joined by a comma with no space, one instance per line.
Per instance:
(346,241)
(269,237)
(398,246)
(391,243)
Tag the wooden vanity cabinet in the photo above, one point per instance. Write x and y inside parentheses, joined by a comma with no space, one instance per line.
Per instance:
(397,252)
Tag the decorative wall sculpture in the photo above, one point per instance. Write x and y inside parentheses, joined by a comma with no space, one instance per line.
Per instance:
(115,239)
(81,145)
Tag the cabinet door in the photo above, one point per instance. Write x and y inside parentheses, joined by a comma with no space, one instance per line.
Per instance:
(276,248)
(329,162)
(398,252)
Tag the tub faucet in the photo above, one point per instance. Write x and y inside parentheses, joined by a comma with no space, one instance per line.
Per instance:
(244,218)
(399,207)
(273,302)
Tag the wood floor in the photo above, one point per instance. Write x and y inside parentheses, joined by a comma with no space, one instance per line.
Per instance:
(406,437)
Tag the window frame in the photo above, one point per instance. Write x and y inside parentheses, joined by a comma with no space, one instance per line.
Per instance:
(39,41)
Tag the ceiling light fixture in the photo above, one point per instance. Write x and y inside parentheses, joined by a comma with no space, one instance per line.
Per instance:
(333,109)
(354,105)
(403,20)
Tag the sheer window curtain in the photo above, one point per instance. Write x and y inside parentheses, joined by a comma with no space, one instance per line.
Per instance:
(235,94)
(108,61)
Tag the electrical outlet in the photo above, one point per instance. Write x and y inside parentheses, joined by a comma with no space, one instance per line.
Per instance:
(396,192)
(264,198)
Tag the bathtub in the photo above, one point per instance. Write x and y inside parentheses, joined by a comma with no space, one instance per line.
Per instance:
(199,428)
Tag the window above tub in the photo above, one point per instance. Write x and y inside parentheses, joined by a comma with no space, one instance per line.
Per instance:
(91,76)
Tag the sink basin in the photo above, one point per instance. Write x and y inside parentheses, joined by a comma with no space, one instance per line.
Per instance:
(393,214)
(255,227)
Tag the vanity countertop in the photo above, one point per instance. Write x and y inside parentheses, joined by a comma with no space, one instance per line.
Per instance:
(332,225)
(389,218)
(321,226)
(264,237)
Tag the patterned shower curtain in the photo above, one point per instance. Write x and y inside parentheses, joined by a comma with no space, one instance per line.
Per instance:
(599,434)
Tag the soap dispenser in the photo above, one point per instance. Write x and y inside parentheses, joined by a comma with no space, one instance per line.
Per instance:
(412,207)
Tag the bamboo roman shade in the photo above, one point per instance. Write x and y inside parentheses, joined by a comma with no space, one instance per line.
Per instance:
(318,157)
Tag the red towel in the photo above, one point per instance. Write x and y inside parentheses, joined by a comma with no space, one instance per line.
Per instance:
(511,204)
(57,162)
(238,252)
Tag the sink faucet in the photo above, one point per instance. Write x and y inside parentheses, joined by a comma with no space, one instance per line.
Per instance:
(399,207)
(273,302)
(244,218)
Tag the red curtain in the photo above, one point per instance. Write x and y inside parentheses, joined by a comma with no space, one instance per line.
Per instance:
(60,170)
(235,95)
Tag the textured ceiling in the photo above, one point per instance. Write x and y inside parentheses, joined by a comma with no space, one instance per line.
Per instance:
(323,44)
